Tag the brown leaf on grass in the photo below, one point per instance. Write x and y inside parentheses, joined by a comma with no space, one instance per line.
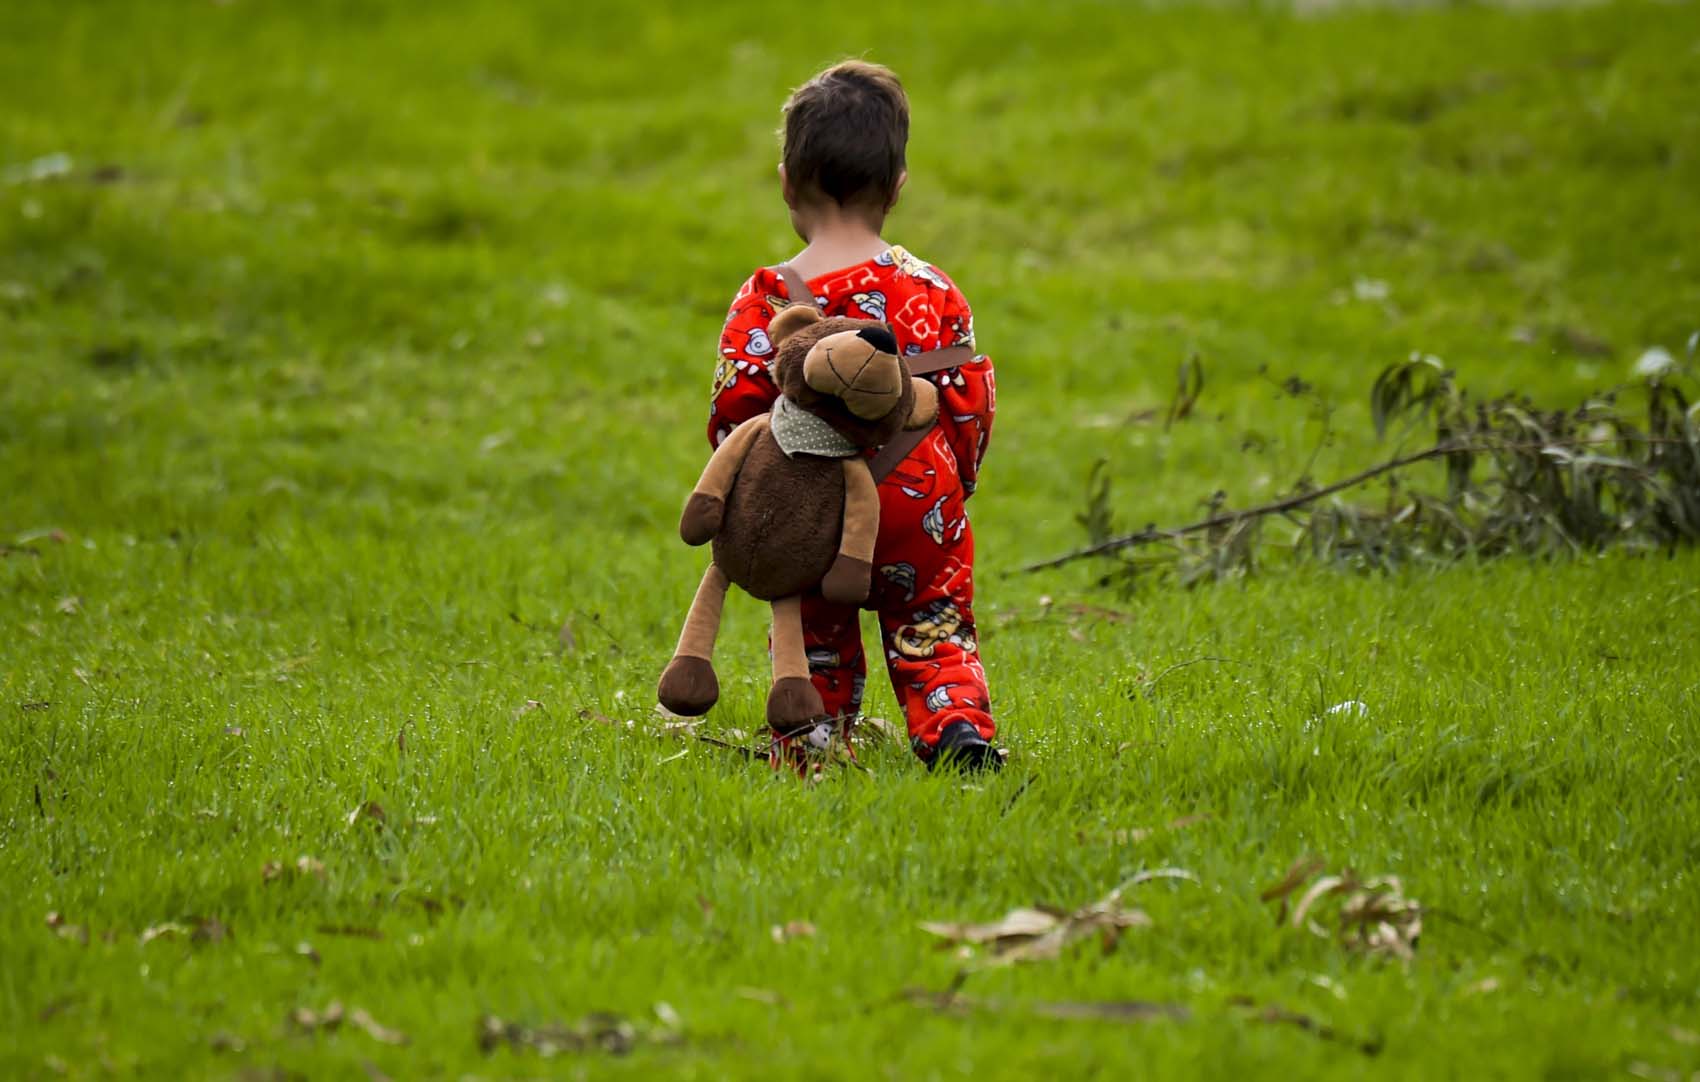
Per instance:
(64,930)
(1115,1010)
(1297,876)
(226,1041)
(303,866)
(599,1032)
(352,930)
(167,930)
(1371,916)
(305,950)
(1017,925)
(527,707)
(198,929)
(590,714)
(310,1020)
(70,606)
(209,930)
(362,1020)
(1139,834)
(760,995)
(1034,934)
(371,809)
(792,929)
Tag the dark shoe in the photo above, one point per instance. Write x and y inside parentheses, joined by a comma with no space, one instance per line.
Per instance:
(961,747)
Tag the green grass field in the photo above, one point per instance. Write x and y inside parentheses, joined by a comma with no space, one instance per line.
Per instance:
(355,360)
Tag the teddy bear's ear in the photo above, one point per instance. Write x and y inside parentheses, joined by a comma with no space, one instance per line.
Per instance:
(926,408)
(791,320)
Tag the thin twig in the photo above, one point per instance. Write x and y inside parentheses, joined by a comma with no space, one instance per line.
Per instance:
(1229,518)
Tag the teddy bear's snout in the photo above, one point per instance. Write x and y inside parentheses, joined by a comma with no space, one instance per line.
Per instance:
(859,367)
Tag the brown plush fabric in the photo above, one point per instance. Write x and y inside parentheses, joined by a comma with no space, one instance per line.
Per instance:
(847,580)
(728,459)
(783,525)
(788,372)
(791,320)
(688,685)
(781,528)
(702,626)
(793,701)
(925,409)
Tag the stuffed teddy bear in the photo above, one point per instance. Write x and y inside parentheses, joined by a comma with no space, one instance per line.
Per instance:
(790,503)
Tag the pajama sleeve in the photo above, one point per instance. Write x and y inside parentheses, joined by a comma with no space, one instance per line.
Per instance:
(968,394)
(742,386)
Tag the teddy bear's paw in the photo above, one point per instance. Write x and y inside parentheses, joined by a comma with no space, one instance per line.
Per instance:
(688,686)
(701,520)
(847,581)
(792,704)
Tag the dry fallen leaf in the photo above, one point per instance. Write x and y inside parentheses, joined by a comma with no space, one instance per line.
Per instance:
(303,866)
(1031,934)
(527,707)
(309,1019)
(1115,1010)
(354,930)
(168,930)
(595,1032)
(794,929)
(370,810)
(76,932)
(362,1020)
(70,606)
(760,995)
(1372,915)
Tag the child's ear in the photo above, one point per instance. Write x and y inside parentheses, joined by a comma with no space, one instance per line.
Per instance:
(926,408)
(791,320)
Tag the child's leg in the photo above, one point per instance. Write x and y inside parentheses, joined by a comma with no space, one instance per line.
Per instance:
(832,635)
(925,592)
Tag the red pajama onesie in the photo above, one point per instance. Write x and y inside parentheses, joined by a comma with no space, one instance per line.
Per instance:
(923,587)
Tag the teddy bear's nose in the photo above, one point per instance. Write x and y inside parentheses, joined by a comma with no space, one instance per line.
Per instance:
(880,338)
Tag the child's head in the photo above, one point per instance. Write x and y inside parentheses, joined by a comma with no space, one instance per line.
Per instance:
(845,133)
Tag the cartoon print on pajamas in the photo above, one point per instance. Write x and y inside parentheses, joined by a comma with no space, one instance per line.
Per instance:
(937,528)
(939,697)
(872,303)
(940,622)
(924,552)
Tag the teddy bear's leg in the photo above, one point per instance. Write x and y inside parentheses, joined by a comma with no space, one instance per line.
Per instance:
(793,702)
(688,685)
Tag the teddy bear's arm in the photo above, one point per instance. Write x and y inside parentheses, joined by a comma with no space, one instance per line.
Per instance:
(701,518)
(848,579)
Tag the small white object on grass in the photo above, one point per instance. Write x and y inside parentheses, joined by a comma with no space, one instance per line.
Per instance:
(1655,362)
(1350,706)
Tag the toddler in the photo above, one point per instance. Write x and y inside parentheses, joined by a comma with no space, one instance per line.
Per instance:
(843,166)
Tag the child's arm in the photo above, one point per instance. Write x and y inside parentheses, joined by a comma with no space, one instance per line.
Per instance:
(742,386)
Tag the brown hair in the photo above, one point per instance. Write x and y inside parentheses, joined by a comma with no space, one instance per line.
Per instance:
(845,133)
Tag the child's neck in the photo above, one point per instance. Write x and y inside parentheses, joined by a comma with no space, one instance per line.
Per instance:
(836,239)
